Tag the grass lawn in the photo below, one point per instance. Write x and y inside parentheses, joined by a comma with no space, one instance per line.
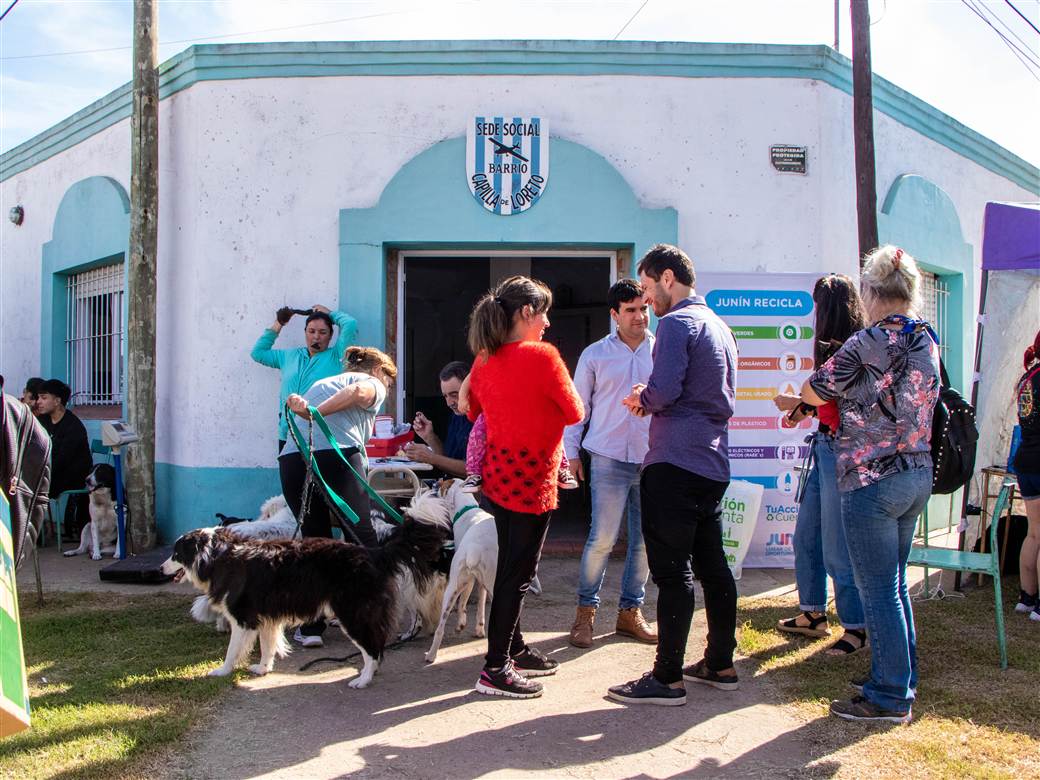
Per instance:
(112,680)
(971,719)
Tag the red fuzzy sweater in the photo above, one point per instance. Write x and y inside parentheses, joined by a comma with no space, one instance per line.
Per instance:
(527,397)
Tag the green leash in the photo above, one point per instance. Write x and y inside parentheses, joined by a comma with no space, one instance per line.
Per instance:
(308,456)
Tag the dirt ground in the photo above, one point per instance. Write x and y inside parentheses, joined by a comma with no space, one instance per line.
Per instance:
(425,721)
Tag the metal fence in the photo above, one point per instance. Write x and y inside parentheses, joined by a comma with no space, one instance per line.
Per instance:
(935,296)
(94,339)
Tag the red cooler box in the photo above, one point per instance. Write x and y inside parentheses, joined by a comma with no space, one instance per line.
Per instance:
(384,448)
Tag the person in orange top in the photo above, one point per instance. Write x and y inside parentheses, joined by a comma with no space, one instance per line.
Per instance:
(527,398)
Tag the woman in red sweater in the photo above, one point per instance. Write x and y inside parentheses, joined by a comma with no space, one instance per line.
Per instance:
(523,389)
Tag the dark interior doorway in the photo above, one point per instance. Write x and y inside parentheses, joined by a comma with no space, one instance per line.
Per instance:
(439,293)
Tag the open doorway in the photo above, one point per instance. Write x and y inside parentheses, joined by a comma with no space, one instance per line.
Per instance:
(439,289)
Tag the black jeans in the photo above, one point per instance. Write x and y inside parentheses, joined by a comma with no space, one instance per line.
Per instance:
(683,534)
(318,521)
(520,539)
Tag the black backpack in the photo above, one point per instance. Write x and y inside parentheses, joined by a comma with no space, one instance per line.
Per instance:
(954,439)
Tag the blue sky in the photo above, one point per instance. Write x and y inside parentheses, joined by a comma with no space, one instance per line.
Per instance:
(937,49)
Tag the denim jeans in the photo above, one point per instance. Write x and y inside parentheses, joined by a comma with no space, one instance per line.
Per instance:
(819,541)
(615,495)
(879,526)
(683,531)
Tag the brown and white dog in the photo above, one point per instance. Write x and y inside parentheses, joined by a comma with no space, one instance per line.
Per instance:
(263,586)
(100,535)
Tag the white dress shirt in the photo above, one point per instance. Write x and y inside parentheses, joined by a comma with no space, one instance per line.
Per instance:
(606,371)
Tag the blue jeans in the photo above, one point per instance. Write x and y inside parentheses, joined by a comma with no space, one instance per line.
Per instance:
(615,488)
(819,542)
(879,526)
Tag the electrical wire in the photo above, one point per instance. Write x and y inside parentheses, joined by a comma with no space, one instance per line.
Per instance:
(1013,8)
(1026,61)
(207,37)
(8,9)
(1028,48)
(631,19)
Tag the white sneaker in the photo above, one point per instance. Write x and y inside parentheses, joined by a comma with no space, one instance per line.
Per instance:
(308,640)
(1035,614)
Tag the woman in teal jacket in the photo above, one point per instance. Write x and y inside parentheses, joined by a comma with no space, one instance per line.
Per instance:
(303,366)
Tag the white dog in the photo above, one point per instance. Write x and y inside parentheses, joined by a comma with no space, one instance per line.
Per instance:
(100,535)
(474,565)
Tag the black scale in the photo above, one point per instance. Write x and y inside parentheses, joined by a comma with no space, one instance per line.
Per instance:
(143,569)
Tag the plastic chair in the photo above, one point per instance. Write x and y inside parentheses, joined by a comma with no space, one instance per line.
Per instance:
(985,563)
(101,453)
(56,510)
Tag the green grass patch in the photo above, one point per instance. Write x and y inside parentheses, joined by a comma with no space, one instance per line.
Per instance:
(971,719)
(112,680)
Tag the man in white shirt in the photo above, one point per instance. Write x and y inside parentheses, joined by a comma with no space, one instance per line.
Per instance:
(617,442)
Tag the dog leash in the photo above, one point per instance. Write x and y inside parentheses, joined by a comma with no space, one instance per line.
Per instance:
(308,453)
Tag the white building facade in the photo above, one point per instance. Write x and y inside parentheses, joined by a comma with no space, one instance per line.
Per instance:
(335,173)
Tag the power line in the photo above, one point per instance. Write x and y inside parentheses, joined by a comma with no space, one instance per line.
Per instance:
(1026,61)
(631,19)
(207,37)
(8,10)
(1013,8)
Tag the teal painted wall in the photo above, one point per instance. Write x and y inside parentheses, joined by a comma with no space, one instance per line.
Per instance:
(188,497)
(920,217)
(427,206)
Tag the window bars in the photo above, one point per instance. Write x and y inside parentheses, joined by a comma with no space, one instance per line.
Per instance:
(94,339)
(935,296)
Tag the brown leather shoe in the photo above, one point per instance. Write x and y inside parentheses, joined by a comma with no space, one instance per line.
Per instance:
(630,622)
(581,631)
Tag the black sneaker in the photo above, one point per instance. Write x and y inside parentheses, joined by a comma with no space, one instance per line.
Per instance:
(1026,602)
(700,673)
(859,708)
(507,682)
(534,663)
(857,684)
(648,690)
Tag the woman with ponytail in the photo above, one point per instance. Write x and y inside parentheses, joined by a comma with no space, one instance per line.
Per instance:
(885,379)
(1027,468)
(522,387)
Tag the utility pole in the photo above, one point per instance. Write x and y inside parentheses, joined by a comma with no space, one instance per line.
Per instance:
(837,24)
(144,201)
(863,128)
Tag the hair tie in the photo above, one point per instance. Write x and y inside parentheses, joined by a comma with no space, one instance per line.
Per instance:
(896,258)
(500,302)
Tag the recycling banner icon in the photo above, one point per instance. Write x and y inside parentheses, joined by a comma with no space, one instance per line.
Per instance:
(507,162)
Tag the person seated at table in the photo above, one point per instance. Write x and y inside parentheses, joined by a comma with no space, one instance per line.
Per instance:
(71,460)
(448,455)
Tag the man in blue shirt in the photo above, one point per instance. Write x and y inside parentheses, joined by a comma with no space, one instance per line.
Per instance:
(303,366)
(617,443)
(448,455)
(691,396)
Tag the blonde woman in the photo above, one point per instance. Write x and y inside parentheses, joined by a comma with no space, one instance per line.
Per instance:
(885,379)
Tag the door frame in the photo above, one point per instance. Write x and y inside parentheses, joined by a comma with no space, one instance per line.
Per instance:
(396,283)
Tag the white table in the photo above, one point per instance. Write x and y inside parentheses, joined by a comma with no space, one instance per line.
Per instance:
(406,468)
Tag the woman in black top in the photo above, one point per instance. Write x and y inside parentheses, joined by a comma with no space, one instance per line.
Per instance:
(1027,467)
(71,460)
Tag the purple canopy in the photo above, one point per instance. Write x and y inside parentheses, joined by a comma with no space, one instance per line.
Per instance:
(1011,237)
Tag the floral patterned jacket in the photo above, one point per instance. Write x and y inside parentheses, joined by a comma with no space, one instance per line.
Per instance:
(886,383)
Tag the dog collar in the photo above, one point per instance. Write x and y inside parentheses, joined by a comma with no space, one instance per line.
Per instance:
(461,512)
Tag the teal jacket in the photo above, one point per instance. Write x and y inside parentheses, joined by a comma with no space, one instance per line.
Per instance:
(299,369)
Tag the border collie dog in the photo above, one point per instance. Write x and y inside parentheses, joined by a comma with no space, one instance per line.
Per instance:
(264,586)
(100,535)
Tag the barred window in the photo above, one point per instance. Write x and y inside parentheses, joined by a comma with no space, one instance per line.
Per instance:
(935,295)
(94,343)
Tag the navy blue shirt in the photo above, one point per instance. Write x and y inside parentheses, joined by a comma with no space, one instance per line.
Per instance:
(691,392)
(458,437)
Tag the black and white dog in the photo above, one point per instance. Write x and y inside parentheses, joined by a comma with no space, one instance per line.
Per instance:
(263,586)
(100,535)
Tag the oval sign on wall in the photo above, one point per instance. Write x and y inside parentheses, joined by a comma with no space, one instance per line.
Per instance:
(507,161)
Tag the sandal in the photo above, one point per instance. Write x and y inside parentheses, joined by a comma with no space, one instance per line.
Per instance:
(844,647)
(791,625)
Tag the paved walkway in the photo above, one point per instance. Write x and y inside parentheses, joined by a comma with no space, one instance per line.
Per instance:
(422,721)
